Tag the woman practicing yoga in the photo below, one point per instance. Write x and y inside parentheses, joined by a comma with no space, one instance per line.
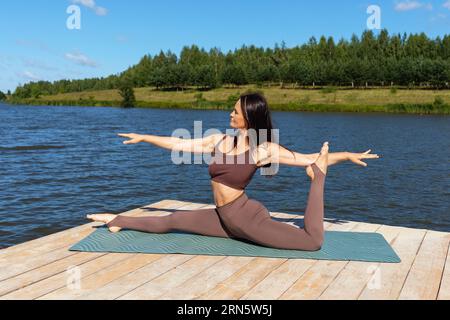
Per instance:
(236,216)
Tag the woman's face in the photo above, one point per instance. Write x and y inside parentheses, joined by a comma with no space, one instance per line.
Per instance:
(237,120)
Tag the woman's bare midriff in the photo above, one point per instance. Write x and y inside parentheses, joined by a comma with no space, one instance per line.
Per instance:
(224,194)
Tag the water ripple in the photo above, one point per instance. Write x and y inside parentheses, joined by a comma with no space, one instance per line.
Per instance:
(30,148)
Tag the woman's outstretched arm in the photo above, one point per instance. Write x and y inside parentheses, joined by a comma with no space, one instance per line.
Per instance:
(287,157)
(355,157)
(202,145)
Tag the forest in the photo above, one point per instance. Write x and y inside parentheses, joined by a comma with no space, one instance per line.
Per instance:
(371,60)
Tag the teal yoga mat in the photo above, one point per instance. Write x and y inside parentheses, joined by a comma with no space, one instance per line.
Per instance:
(345,246)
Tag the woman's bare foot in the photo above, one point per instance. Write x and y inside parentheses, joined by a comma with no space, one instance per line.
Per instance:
(105,218)
(321,162)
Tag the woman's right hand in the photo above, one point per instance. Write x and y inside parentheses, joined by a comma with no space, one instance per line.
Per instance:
(135,138)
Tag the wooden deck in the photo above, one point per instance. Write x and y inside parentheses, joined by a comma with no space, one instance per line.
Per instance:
(46,269)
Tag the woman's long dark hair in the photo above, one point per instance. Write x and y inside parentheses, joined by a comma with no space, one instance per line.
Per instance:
(257,116)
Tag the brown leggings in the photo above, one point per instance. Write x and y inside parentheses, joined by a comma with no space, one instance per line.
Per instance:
(243,218)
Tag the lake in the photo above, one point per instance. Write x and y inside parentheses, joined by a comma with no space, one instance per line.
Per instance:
(59,164)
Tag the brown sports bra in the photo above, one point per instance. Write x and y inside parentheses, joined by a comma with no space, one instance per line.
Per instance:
(232,171)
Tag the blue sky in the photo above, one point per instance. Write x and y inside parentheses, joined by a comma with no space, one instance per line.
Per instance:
(37,45)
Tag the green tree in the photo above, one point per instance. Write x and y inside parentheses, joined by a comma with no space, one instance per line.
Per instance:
(36,91)
(2,96)
(267,72)
(127,93)
(206,77)
(294,72)
(234,74)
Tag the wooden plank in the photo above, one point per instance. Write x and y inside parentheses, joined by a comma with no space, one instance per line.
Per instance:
(24,263)
(245,279)
(282,278)
(60,279)
(354,277)
(156,287)
(100,278)
(195,287)
(28,263)
(444,290)
(198,283)
(124,284)
(391,277)
(278,280)
(426,272)
(53,267)
(52,241)
(240,282)
(62,239)
(47,271)
(316,278)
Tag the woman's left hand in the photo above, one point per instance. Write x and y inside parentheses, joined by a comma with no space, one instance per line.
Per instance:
(356,157)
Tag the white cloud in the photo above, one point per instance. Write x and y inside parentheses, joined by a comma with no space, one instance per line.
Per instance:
(100,11)
(33,44)
(28,75)
(409,5)
(33,63)
(447,4)
(438,18)
(81,59)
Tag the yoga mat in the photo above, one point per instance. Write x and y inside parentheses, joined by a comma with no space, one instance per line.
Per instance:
(344,246)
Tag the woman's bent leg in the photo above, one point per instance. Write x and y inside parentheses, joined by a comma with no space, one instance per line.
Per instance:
(314,213)
(262,229)
(204,222)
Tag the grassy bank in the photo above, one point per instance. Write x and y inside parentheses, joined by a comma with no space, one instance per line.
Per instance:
(319,100)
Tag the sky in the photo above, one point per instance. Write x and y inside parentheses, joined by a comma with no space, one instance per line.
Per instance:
(37,43)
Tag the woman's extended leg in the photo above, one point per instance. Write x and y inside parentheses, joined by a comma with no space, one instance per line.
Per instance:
(204,222)
(262,229)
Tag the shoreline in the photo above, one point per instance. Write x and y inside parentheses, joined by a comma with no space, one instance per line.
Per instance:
(399,108)
(327,99)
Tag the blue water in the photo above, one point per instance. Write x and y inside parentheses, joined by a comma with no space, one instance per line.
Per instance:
(60,163)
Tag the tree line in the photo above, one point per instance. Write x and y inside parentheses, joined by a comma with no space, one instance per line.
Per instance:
(413,60)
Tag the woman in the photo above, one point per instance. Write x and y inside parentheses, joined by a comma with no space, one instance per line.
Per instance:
(236,216)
